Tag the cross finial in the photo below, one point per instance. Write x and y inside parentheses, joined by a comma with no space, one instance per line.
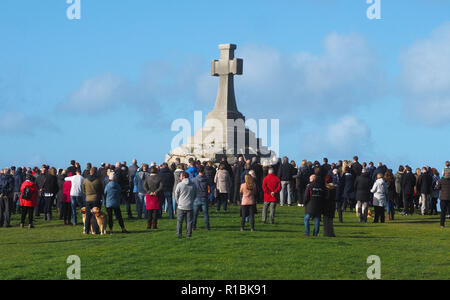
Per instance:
(227,63)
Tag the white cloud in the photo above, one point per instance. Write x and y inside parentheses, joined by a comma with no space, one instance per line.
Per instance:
(425,78)
(343,139)
(17,123)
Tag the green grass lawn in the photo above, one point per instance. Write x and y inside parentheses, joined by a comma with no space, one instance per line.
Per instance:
(413,247)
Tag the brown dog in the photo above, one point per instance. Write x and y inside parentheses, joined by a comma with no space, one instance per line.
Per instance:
(99,216)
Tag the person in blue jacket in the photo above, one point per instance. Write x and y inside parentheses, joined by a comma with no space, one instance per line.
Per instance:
(113,194)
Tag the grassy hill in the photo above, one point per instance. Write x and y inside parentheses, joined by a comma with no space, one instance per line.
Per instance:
(412,247)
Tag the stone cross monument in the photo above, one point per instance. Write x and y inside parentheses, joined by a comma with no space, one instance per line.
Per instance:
(224,133)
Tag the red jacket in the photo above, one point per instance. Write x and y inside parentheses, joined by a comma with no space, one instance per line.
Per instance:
(34,191)
(67,185)
(152,202)
(271,184)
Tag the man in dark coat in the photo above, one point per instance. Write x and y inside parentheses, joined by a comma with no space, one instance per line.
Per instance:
(362,193)
(356,167)
(19,178)
(408,183)
(424,188)
(121,176)
(168,180)
(237,170)
(314,195)
(6,192)
(286,173)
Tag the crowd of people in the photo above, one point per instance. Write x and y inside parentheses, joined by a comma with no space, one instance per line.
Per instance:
(182,191)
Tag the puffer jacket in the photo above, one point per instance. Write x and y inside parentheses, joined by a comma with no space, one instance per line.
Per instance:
(223,181)
(113,194)
(379,191)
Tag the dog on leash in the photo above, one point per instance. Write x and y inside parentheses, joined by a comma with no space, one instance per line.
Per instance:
(97,216)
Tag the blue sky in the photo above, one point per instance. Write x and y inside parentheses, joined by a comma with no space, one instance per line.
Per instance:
(108,86)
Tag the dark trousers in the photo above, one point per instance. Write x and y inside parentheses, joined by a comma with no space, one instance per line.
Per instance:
(339,208)
(379,214)
(89,214)
(248,210)
(127,201)
(39,206)
(118,214)
(223,200)
(433,206)
(27,210)
(181,216)
(5,210)
(445,206)
(408,203)
(48,202)
(152,220)
(66,211)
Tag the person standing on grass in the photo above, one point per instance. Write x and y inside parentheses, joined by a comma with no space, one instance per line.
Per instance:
(286,173)
(314,195)
(177,180)
(424,188)
(444,187)
(202,184)
(408,186)
(76,194)
(139,181)
(271,188)
(93,191)
(210,173)
(223,185)
(154,187)
(362,188)
(247,190)
(379,191)
(65,199)
(434,192)
(185,193)
(113,194)
(6,193)
(391,195)
(28,200)
(329,208)
(168,181)
(398,187)
(49,189)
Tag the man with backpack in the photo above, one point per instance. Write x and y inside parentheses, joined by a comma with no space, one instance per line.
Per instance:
(28,200)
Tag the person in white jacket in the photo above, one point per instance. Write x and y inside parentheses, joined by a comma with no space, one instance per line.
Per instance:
(379,191)
(76,194)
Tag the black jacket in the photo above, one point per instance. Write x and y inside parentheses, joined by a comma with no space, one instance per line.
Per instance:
(210,173)
(424,185)
(314,195)
(362,187)
(408,183)
(286,172)
(6,184)
(167,179)
(50,185)
(357,169)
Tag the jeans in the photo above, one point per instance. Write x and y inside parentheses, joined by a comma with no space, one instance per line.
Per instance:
(140,205)
(212,188)
(203,203)
(168,204)
(76,201)
(181,216)
(316,224)
(286,185)
(223,199)
(48,201)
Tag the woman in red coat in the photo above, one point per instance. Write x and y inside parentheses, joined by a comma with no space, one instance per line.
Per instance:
(66,204)
(153,205)
(28,190)
(271,187)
